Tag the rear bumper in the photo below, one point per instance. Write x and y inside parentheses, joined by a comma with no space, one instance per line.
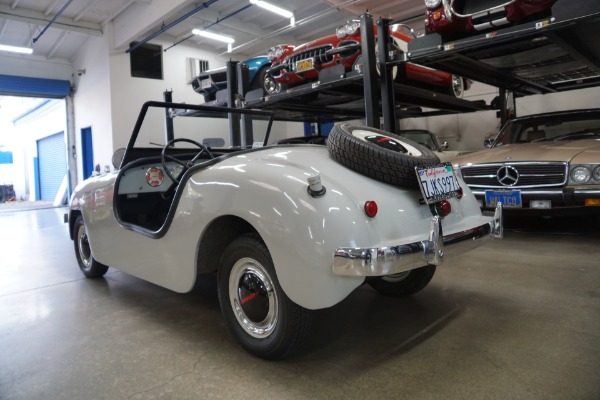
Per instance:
(350,261)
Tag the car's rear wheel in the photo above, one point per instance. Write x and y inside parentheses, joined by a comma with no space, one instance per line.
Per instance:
(83,252)
(258,313)
(457,87)
(404,283)
(378,154)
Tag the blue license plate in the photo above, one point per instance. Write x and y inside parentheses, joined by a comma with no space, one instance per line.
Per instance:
(508,198)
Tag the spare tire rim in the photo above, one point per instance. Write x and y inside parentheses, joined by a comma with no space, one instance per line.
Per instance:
(387,142)
(253,298)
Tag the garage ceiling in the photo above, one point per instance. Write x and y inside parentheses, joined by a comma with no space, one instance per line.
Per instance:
(24,22)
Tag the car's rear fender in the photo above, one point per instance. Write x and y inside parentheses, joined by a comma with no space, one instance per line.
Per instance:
(303,232)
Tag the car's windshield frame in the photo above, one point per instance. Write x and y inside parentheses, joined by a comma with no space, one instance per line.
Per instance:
(182,110)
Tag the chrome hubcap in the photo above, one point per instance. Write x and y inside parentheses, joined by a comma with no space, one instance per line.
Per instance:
(457,86)
(253,298)
(271,85)
(83,245)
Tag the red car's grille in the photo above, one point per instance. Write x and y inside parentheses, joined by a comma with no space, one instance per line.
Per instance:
(318,54)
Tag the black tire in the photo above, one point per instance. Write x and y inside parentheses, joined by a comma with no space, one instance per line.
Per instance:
(258,313)
(88,265)
(404,283)
(378,154)
(270,85)
(457,87)
(259,79)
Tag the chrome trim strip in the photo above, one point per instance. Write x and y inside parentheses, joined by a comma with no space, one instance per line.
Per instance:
(492,24)
(482,11)
(578,191)
(355,261)
(523,192)
(587,192)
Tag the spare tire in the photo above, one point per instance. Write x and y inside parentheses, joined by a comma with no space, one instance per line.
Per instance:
(378,154)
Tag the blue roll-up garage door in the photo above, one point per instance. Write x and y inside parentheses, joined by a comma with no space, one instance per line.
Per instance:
(34,87)
(52,166)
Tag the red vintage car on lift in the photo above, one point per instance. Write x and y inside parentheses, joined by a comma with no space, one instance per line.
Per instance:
(295,65)
(449,17)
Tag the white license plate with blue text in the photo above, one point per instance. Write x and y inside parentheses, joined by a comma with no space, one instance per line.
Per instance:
(437,182)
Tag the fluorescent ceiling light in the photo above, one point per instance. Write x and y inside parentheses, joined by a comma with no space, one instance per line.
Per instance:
(214,36)
(272,8)
(14,49)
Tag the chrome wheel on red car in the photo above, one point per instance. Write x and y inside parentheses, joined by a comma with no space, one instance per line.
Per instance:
(458,86)
(270,85)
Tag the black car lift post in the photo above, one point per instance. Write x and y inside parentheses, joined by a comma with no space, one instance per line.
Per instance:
(367,37)
(388,102)
(247,136)
(169,131)
(232,89)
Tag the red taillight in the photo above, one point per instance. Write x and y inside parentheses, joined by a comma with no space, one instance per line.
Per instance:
(443,208)
(371,209)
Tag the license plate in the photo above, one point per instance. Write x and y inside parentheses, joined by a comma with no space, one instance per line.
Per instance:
(206,83)
(304,65)
(437,182)
(508,198)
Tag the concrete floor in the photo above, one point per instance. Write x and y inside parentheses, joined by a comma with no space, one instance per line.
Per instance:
(519,319)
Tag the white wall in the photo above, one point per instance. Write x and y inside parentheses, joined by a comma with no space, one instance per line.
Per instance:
(583,98)
(92,99)
(464,131)
(46,121)
(129,94)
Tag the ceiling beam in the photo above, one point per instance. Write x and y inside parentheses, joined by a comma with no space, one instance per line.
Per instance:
(57,44)
(3,24)
(38,18)
(141,17)
(51,8)
(84,10)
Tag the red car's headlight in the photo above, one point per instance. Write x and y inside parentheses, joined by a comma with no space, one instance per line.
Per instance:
(349,28)
(275,52)
(432,3)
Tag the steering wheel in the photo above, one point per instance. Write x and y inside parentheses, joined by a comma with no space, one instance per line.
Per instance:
(185,164)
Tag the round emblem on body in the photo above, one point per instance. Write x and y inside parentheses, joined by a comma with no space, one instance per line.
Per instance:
(154,176)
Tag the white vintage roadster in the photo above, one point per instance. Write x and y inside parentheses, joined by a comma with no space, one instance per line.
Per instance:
(287,228)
